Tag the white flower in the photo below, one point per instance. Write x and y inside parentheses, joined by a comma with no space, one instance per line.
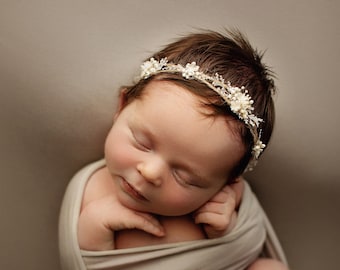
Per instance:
(241,104)
(254,120)
(147,69)
(151,67)
(190,70)
(258,148)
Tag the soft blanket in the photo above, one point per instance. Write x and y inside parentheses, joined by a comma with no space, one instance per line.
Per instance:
(252,236)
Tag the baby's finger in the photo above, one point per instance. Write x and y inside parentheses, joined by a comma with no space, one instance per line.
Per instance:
(222,203)
(147,223)
(226,193)
(216,221)
(217,208)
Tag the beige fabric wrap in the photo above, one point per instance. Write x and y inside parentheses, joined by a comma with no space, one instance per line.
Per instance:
(252,235)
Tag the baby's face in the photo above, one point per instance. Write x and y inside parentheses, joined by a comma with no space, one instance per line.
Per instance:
(165,156)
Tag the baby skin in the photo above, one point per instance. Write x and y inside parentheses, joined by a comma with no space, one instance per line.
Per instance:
(164,181)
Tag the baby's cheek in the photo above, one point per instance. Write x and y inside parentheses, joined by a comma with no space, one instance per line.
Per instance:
(184,203)
(120,155)
(118,150)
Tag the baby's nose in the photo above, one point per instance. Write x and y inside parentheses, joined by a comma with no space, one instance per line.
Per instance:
(151,171)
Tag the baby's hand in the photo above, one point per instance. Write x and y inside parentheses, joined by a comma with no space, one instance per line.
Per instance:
(100,218)
(219,214)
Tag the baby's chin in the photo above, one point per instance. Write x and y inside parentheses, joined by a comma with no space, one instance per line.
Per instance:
(170,213)
(144,208)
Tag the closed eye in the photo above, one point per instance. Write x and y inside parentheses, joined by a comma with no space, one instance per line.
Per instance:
(138,142)
(184,179)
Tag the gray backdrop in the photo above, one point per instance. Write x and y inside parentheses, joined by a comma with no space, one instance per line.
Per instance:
(61,63)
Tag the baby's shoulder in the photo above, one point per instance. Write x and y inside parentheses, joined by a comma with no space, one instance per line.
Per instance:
(99,185)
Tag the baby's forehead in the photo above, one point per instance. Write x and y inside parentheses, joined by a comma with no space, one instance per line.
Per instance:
(204,105)
(177,105)
(155,87)
(162,90)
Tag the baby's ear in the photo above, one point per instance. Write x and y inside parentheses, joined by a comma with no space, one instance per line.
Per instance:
(122,101)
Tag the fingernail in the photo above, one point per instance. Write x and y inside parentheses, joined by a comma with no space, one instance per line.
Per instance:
(161,232)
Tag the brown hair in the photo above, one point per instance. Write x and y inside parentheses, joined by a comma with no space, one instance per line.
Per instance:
(232,57)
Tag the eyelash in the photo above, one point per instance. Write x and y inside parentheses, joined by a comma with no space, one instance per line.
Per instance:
(139,145)
(182,181)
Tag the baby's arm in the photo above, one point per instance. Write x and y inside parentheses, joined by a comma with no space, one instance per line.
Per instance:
(219,214)
(100,218)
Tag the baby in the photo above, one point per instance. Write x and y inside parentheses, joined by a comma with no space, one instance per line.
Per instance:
(199,116)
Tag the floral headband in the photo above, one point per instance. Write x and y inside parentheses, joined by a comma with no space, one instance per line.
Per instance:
(237,98)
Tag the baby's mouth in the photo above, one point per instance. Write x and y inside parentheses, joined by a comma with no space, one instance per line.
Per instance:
(132,191)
